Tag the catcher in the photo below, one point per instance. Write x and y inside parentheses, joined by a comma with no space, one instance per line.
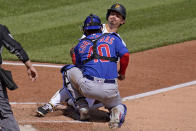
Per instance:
(95,73)
(115,17)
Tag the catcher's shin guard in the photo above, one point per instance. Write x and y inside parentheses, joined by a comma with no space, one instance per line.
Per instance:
(66,82)
(117,117)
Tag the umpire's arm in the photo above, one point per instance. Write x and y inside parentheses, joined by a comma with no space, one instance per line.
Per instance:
(12,45)
(15,47)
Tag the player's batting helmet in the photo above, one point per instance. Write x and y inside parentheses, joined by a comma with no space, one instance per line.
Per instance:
(117,8)
(92,22)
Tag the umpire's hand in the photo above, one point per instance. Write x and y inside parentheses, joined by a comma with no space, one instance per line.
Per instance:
(31,71)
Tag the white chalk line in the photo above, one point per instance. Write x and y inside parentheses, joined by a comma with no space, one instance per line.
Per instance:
(129,97)
(123,99)
(51,121)
(39,65)
(159,91)
(27,103)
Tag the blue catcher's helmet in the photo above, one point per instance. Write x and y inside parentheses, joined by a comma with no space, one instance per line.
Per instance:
(92,22)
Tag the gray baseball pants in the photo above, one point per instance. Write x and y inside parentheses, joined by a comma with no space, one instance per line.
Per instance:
(7,120)
(107,93)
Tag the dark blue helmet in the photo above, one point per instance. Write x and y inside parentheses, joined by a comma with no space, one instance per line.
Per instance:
(92,22)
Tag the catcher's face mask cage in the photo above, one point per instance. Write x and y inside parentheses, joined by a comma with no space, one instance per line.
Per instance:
(92,22)
(117,8)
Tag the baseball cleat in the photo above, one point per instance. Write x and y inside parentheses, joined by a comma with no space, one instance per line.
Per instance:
(84,116)
(117,118)
(43,110)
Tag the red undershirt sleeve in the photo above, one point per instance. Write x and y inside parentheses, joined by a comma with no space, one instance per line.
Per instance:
(124,61)
(73,58)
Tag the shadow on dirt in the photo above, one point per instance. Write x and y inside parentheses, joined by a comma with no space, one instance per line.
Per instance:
(96,115)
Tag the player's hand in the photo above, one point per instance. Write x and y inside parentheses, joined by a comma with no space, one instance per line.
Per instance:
(121,77)
(71,51)
(32,73)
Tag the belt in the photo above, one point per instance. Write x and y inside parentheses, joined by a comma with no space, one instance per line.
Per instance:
(99,79)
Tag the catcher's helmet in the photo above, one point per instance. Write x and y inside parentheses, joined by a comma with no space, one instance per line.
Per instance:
(92,22)
(117,8)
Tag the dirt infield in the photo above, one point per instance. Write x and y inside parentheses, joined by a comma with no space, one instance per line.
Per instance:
(147,71)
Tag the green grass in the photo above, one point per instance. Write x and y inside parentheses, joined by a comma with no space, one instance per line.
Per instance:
(48,29)
(161,25)
(18,7)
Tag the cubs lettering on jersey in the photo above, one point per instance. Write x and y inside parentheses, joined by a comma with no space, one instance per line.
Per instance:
(109,45)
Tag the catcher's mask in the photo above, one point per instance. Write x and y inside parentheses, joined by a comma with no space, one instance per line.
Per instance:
(117,8)
(92,22)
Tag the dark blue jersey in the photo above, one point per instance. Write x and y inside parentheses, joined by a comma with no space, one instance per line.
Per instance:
(109,45)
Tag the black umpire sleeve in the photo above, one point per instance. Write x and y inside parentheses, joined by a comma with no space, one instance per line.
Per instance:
(11,44)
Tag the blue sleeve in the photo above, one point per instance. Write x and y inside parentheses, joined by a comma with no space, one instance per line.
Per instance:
(121,49)
(78,62)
